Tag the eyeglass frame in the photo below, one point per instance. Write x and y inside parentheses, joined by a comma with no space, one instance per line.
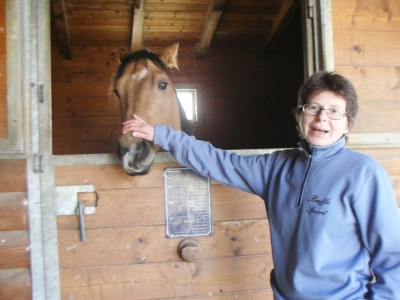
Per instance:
(303,107)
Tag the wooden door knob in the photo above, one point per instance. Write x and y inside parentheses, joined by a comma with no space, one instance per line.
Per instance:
(190,250)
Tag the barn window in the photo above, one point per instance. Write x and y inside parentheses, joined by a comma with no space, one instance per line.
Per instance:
(190,96)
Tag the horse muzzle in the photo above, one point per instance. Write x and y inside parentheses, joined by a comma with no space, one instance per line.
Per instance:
(136,158)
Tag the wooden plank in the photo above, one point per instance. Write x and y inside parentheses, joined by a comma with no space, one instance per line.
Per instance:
(171,28)
(13,175)
(101,6)
(94,89)
(82,74)
(93,147)
(173,279)
(174,15)
(176,7)
(97,49)
(366,15)
(211,20)
(145,207)
(389,159)
(266,294)
(115,17)
(373,117)
(101,14)
(94,133)
(90,29)
(66,122)
(137,26)
(281,20)
(374,83)
(366,48)
(124,20)
(85,109)
(59,15)
(232,204)
(173,22)
(109,176)
(15,284)
(14,249)
(113,39)
(139,244)
(13,211)
(153,38)
(89,59)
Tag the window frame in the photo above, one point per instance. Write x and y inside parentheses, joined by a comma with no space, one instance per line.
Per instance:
(197,110)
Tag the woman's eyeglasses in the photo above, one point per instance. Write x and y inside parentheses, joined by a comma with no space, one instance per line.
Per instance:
(314,110)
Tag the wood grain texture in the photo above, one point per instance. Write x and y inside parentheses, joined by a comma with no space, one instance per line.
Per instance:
(15,284)
(366,15)
(13,175)
(168,280)
(366,48)
(140,244)
(13,211)
(14,249)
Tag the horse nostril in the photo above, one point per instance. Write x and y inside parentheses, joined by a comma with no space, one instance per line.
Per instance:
(121,150)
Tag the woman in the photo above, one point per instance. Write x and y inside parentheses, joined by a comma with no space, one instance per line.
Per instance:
(334,221)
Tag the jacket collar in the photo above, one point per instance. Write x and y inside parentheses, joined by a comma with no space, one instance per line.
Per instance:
(319,152)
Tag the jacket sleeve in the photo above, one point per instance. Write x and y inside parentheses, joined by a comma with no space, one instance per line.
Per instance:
(379,220)
(220,165)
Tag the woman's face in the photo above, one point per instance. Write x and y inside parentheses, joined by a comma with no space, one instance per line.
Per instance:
(320,130)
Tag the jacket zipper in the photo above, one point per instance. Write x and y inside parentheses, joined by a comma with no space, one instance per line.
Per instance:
(304,183)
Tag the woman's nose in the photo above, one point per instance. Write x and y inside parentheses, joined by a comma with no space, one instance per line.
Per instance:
(322,114)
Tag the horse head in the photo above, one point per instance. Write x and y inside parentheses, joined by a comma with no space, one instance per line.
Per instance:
(144,87)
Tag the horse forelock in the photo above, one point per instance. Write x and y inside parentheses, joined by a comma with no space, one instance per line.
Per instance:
(140,56)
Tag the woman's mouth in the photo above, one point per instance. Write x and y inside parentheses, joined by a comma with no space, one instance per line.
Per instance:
(320,130)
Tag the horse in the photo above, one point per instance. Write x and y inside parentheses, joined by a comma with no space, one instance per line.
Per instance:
(143,85)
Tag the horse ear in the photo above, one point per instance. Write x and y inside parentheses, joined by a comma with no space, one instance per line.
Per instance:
(122,55)
(170,56)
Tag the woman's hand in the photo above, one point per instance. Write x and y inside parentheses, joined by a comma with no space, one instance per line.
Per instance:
(139,128)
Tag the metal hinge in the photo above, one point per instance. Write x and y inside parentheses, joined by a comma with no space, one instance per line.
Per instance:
(37,163)
(41,93)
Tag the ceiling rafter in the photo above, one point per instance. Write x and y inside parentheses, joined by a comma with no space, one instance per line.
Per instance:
(281,20)
(209,26)
(61,24)
(137,26)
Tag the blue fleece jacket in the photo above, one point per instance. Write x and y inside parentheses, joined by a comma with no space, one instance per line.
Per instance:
(332,213)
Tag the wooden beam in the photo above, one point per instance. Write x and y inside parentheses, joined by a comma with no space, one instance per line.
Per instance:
(61,24)
(281,20)
(137,26)
(210,24)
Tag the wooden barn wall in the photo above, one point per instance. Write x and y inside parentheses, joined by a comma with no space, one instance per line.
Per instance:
(14,235)
(127,256)
(246,102)
(366,37)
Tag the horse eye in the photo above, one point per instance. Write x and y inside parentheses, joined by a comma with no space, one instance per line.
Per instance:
(162,85)
(116,92)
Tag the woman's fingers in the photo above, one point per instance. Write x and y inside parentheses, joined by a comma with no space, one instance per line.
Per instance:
(139,128)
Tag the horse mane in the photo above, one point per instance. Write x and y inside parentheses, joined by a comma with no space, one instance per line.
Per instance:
(143,55)
(140,55)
